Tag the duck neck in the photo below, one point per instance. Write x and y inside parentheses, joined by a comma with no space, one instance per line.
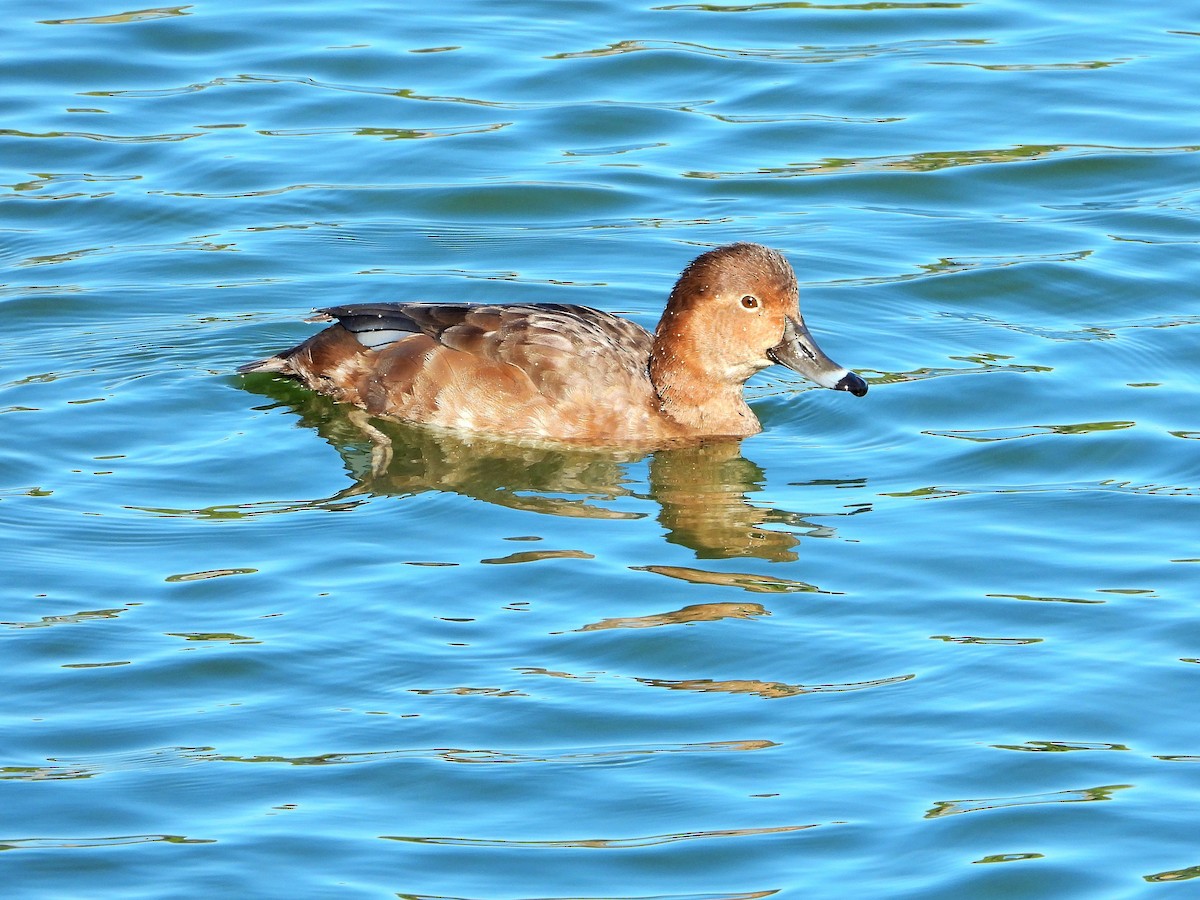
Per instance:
(699,399)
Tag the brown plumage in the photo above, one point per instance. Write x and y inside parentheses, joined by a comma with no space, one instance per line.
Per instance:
(571,373)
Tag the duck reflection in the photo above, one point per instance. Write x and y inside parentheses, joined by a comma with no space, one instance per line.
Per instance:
(700,489)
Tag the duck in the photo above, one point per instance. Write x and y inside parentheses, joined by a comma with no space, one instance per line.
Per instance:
(574,374)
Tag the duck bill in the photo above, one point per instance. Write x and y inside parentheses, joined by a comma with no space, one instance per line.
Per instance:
(800,353)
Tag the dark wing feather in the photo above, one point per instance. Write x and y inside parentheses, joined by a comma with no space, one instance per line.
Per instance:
(374,324)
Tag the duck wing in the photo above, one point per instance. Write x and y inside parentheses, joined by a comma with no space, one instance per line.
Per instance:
(536,338)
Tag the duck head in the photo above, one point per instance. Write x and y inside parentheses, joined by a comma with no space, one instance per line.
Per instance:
(734,311)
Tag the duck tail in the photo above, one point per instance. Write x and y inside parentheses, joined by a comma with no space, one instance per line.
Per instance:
(270,364)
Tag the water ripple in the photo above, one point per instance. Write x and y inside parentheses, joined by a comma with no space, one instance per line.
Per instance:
(768,690)
(86,615)
(140,15)
(987,435)
(654,840)
(759,584)
(992,641)
(525,556)
(937,160)
(870,6)
(88,843)
(1041,67)
(29,189)
(688,615)
(946,491)
(386,91)
(751,895)
(109,138)
(985,364)
(1058,746)
(387,134)
(1086,795)
(957,265)
(801,54)
(75,768)
(1174,875)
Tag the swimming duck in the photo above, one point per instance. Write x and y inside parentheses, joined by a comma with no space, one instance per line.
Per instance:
(571,373)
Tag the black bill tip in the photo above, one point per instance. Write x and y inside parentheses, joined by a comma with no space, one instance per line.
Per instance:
(852,383)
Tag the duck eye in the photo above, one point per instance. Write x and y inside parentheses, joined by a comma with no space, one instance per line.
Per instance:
(750,302)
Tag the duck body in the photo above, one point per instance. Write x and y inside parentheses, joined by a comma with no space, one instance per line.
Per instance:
(572,373)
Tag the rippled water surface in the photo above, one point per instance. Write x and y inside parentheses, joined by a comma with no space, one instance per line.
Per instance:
(938,642)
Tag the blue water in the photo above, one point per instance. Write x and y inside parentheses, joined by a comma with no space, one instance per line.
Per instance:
(940,642)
